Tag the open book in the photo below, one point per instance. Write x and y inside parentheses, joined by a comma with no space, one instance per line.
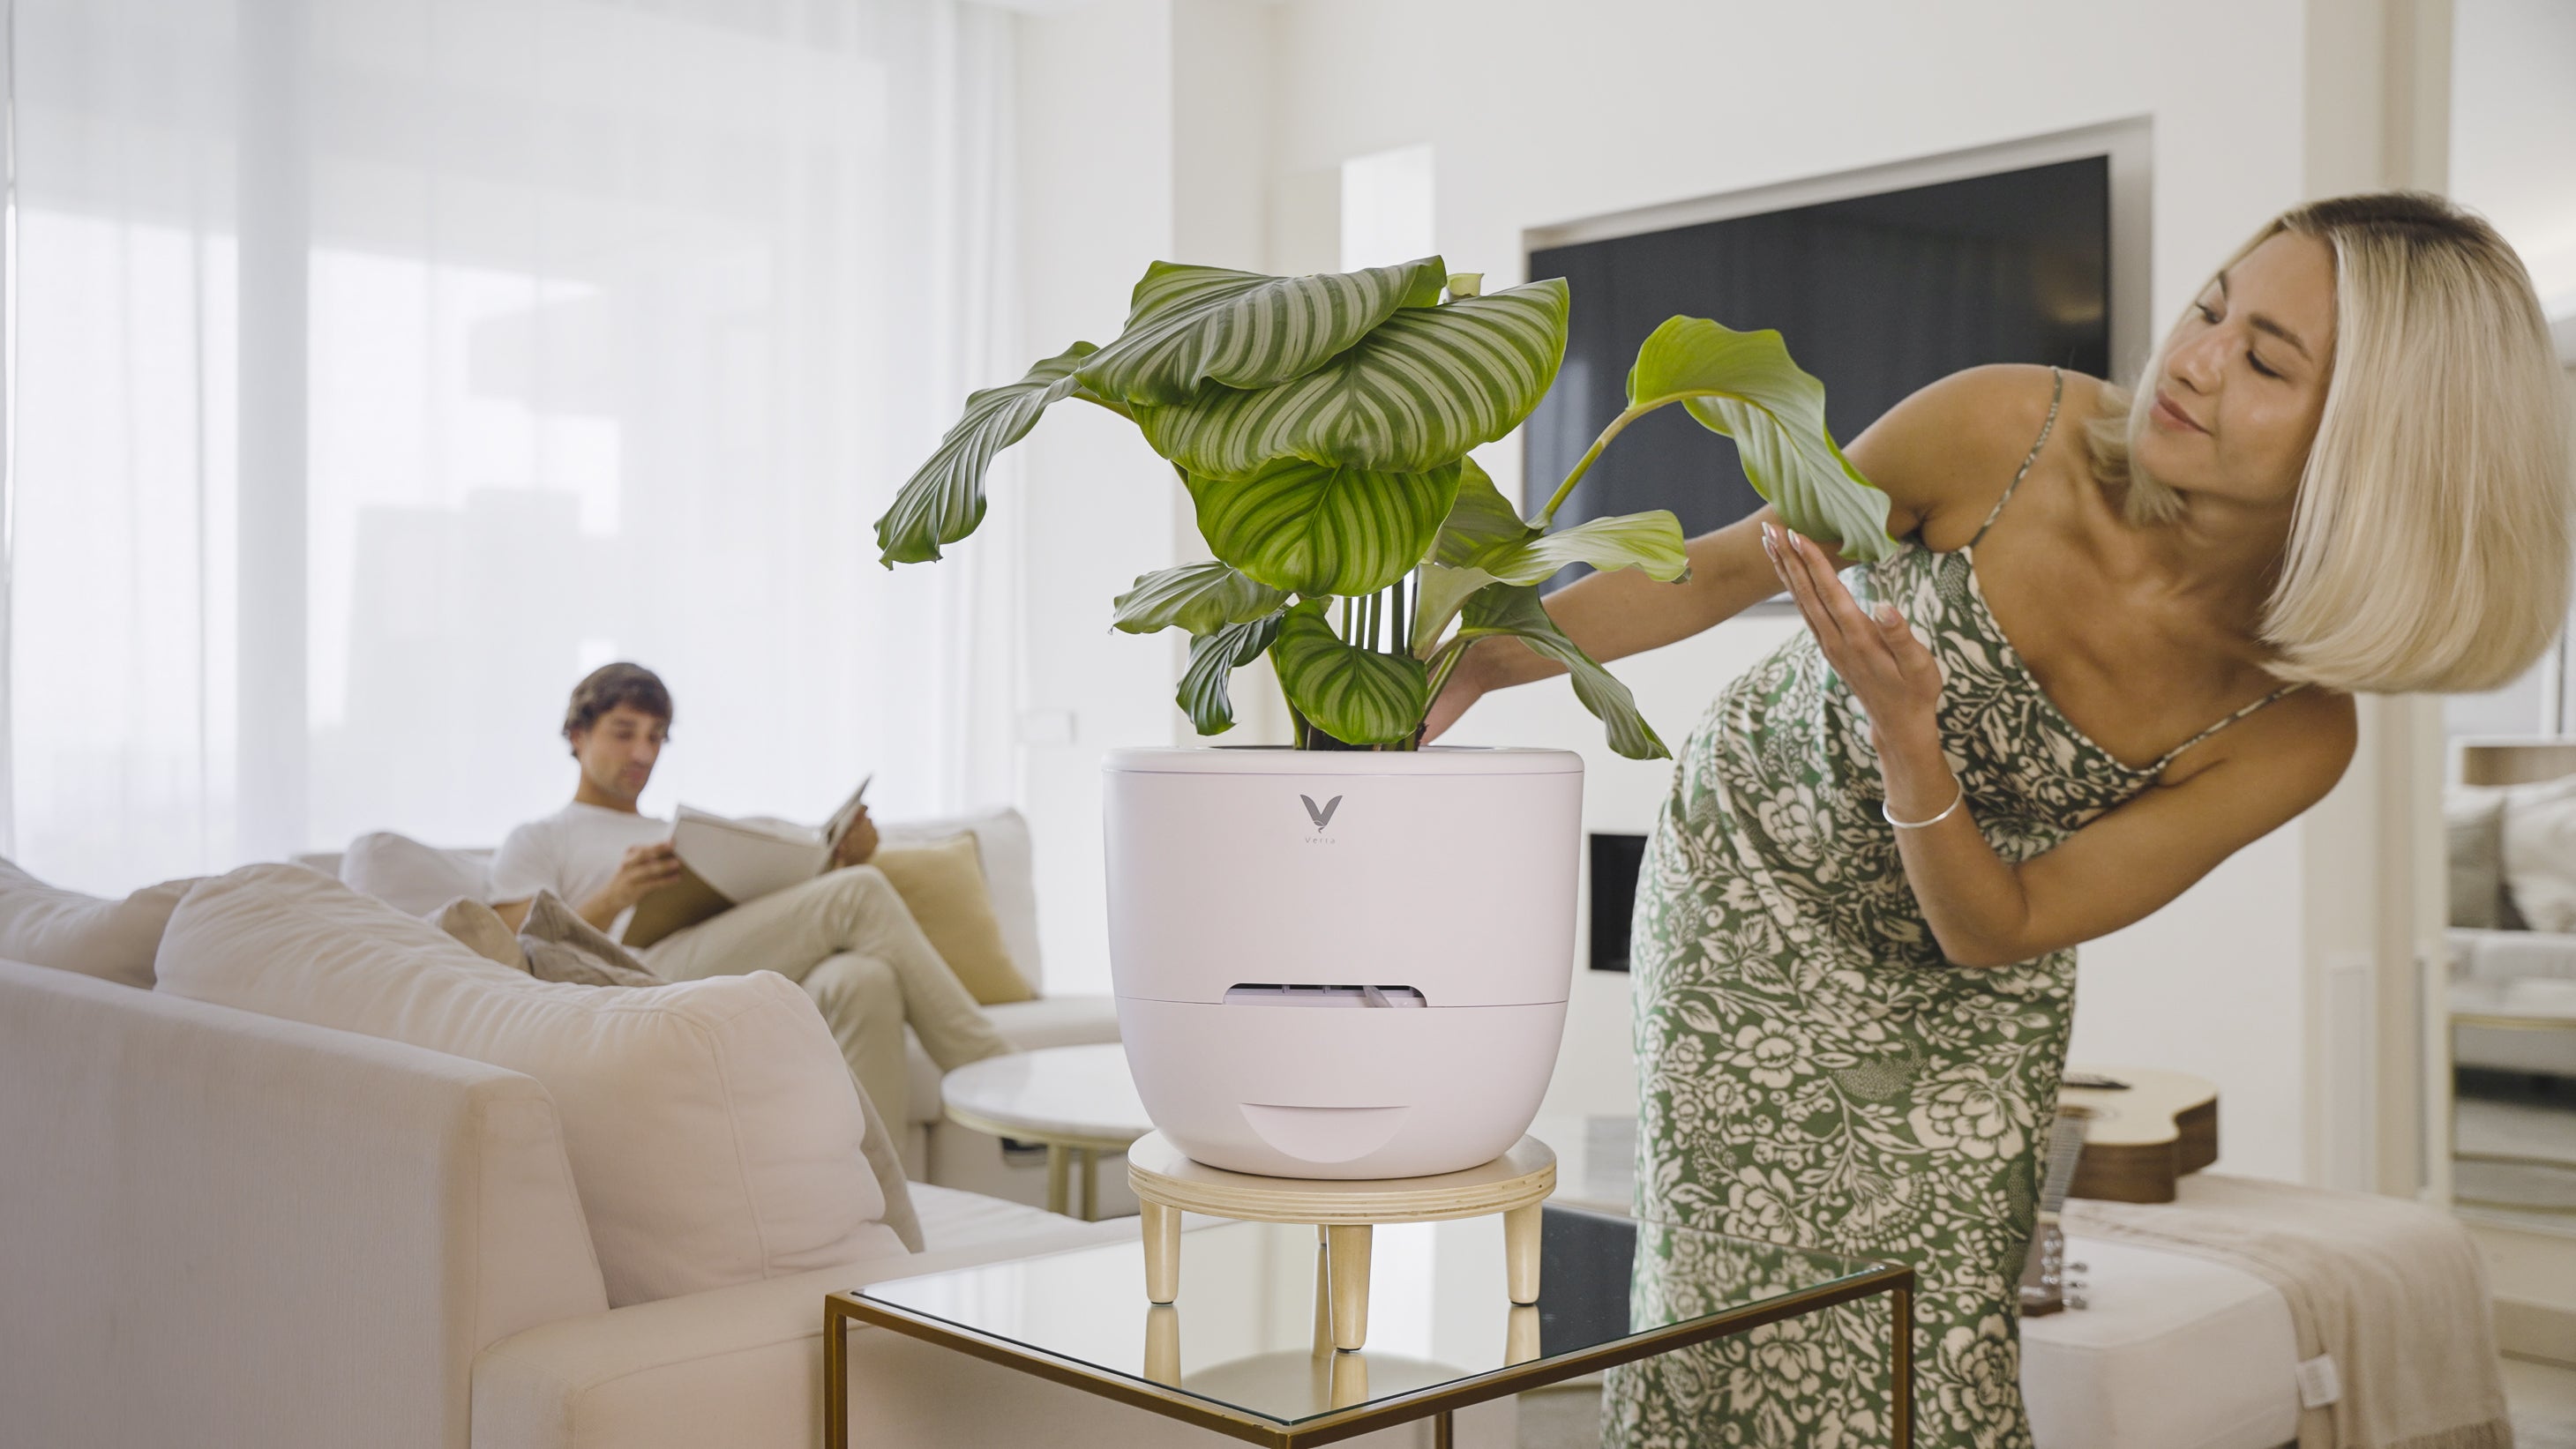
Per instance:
(725,862)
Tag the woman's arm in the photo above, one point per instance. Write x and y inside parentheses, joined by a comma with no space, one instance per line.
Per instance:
(1985,911)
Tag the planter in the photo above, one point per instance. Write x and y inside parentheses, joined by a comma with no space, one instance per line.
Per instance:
(1342,965)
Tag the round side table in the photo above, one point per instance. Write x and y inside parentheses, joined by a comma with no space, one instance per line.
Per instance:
(1168,1184)
(1077,1100)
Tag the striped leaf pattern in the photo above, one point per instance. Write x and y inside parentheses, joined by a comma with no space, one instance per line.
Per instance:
(1189,326)
(1418,392)
(1314,529)
(1444,591)
(1515,610)
(1356,695)
(1743,384)
(943,501)
(1214,657)
(1481,521)
(1200,597)
(1650,542)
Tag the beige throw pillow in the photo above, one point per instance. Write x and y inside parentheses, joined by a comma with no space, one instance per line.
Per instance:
(113,940)
(942,884)
(482,930)
(560,946)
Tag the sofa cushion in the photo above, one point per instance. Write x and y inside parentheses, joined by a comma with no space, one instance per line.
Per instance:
(413,878)
(711,1126)
(1010,871)
(942,884)
(2473,829)
(113,940)
(2540,853)
(559,945)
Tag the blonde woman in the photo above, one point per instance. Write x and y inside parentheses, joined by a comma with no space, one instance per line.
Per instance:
(2120,647)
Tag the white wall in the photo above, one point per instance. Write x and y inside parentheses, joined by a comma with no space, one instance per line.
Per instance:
(1544,113)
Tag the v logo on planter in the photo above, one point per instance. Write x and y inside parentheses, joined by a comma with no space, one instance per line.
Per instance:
(1323,816)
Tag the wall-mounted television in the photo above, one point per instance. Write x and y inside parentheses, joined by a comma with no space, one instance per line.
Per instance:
(1877,295)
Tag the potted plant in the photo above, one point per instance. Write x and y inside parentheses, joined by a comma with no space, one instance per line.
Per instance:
(1321,426)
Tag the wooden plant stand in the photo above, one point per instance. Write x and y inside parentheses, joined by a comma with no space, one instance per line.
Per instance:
(1168,1184)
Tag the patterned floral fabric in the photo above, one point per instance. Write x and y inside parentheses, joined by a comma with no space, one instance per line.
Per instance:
(1813,1074)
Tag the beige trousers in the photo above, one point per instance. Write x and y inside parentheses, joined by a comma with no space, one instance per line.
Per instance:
(847,939)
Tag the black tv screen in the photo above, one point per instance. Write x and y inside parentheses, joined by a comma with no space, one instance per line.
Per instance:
(1877,296)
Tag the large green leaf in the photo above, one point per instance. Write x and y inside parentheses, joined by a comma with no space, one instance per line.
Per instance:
(1650,542)
(1213,659)
(1444,591)
(1428,384)
(1200,597)
(1515,610)
(944,500)
(1481,521)
(1188,326)
(1743,384)
(1315,529)
(1356,695)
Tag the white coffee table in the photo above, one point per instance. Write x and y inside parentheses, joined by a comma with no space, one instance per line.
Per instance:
(1077,1100)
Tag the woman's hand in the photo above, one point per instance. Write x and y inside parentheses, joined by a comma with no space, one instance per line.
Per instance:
(1894,678)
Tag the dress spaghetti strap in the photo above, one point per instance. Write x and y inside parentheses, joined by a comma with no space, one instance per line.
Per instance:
(2158,767)
(2056,395)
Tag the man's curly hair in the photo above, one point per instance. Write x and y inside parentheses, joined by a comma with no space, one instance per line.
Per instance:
(611,685)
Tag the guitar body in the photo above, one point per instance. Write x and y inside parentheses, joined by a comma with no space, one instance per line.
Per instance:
(2140,1138)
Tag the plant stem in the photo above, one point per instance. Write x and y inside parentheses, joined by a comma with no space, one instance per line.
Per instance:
(1447,663)
(1583,464)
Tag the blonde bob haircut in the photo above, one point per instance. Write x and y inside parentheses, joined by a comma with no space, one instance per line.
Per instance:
(2430,540)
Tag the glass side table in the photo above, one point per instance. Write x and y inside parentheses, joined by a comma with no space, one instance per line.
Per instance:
(1248,1352)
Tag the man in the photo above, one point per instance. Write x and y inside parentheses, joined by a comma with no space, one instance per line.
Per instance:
(845,936)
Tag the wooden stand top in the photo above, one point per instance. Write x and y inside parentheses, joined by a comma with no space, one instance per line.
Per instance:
(1160,1173)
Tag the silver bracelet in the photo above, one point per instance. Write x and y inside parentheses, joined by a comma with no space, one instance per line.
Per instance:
(1955,802)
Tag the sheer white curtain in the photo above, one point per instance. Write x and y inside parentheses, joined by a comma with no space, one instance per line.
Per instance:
(386,364)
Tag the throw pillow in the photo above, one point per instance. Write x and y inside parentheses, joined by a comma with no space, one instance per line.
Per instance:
(2540,853)
(1010,873)
(482,930)
(942,884)
(2473,825)
(561,946)
(413,878)
(712,1132)
(113,940)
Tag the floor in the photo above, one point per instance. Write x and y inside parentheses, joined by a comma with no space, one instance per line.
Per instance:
(2543,1397)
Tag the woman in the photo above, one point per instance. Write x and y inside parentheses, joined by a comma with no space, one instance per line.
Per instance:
(2120,646)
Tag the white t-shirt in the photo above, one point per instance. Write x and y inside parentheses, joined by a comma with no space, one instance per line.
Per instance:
(574,852)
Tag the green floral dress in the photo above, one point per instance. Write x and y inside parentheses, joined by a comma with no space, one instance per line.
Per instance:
(1813,1074)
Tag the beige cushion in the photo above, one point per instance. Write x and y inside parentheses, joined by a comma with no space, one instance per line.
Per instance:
(559,945)
(1010,873)
(711,1126)
(413,878)
(942,884)
(46,925)
(2473,821)
(482,930)
(2540,853)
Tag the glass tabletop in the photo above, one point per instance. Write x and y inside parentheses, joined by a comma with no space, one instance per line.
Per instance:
(1247,1339)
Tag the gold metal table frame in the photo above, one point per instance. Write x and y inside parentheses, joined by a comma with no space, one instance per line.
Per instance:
(1437,1403)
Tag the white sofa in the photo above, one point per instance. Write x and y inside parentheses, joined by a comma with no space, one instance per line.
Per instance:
(226,1229)
(936,1150)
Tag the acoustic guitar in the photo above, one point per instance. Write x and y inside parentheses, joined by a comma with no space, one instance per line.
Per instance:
(2143,1129)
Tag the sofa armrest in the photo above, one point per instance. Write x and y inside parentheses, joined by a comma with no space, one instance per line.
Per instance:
(743,1366)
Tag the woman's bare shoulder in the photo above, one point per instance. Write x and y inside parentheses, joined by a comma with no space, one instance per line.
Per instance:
(1947,452)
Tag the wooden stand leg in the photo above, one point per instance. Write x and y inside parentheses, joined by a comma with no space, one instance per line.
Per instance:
(1323,1294)
(1163,1344)
(1162,1252)
(1089,1162)
(1520,1252)
(1520,1335)
(1350,1379)
(1348,1249)
(1059,1163)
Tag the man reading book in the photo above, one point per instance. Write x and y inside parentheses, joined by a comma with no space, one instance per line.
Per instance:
(845,935)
